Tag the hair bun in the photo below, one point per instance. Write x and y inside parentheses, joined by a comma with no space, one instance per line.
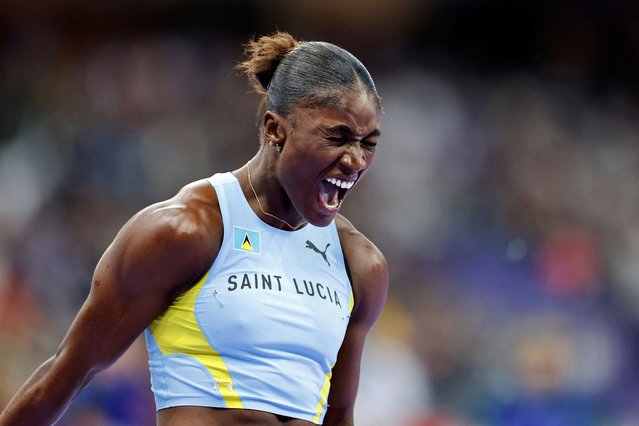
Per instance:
(264,55)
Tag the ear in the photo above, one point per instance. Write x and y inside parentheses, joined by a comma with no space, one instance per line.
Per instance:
(275,129)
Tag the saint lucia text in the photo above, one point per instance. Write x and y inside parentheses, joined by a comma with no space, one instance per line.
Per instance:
(279,283)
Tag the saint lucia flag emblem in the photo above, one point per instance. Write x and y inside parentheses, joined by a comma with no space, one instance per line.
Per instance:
(246,240)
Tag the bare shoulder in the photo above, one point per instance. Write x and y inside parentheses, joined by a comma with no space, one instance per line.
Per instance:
(192,212)
(188,216)
(180,235)
(359,250)
(368,269)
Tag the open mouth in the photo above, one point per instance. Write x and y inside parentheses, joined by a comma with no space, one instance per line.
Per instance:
(332,192)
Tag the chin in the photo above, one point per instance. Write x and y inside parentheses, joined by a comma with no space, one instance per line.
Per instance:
(321,220)
(322,223)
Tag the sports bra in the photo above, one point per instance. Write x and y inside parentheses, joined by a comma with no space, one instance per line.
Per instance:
(262,328)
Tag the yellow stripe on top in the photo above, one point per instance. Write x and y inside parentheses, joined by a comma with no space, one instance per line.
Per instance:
(327,380)
(176,331)
(323,396)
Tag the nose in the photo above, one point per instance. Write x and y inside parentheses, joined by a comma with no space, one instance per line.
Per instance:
(354,159)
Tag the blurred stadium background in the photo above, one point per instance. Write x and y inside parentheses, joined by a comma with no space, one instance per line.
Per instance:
(505,190)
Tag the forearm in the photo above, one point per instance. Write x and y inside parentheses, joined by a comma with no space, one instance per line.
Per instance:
(43,398)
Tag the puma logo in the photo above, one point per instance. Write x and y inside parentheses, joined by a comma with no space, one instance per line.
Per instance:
(310,245)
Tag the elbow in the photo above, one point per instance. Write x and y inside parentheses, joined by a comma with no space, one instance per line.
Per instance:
(73,370)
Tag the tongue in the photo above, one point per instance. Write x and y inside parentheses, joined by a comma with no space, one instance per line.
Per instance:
(329,194)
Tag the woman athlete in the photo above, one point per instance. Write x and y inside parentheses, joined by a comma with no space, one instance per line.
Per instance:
(254,294)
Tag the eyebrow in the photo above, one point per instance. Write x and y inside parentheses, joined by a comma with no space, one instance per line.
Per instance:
(344,129)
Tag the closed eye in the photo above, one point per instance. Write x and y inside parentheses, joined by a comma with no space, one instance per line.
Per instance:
(338,140)
(368,144)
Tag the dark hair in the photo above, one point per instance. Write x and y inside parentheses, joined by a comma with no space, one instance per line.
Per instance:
(312,74)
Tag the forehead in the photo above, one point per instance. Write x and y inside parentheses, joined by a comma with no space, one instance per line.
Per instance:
(358,110)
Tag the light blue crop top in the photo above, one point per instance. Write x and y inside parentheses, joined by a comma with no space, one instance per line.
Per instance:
(261,330)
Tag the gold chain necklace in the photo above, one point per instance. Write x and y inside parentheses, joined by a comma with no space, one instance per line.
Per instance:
(294,228)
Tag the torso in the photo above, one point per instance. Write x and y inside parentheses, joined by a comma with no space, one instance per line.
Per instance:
(308,296)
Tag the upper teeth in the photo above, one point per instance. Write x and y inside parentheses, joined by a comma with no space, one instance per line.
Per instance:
(346,184)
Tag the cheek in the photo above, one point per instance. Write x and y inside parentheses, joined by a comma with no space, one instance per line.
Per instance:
(370,160)
(310,161)
(296,171)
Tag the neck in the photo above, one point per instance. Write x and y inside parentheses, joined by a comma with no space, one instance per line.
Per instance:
(265,194)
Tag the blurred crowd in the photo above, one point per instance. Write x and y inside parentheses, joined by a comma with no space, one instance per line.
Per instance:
(504,196)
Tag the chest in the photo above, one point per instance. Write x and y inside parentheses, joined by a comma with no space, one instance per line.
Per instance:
(287,294)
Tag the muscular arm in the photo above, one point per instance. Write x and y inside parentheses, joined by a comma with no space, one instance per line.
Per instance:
(161,251)
(369,274)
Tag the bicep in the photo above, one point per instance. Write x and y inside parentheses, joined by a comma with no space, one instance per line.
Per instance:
(109,320)
(345,378)
(136,279)
(346,372)
(369,274)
